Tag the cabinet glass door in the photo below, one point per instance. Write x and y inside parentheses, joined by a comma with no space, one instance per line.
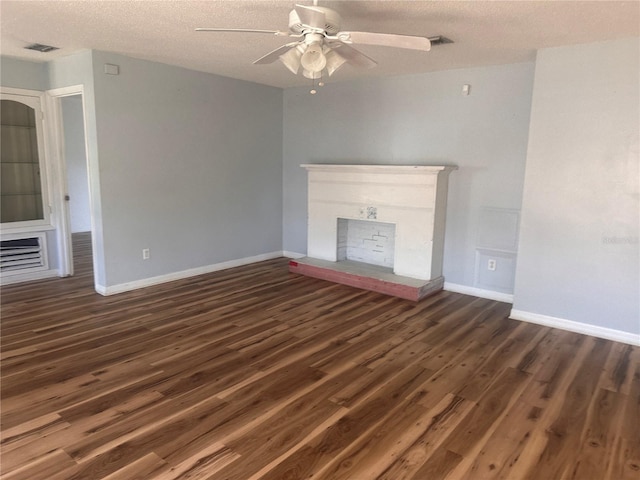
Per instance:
(22,181)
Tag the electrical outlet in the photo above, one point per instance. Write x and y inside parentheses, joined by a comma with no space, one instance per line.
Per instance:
(145,254)
(491,265)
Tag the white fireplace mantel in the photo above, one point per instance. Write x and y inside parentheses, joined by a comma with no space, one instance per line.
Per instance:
(413,197)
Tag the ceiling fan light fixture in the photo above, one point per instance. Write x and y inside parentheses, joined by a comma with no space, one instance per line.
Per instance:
(313,59)
(311,75)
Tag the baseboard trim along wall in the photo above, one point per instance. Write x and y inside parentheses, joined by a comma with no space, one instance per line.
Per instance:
(576,327)
(192,272)
(478,292)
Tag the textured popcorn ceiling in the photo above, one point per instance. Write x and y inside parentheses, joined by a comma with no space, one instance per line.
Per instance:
(485,32)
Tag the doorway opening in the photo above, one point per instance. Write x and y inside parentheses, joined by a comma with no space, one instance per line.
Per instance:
(75,225)
(75,159)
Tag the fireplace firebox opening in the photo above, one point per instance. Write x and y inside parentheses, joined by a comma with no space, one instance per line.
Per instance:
(366,241)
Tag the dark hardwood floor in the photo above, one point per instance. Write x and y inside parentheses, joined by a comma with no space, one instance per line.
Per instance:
(254,372)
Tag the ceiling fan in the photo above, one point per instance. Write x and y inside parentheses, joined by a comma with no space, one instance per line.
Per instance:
(322,47)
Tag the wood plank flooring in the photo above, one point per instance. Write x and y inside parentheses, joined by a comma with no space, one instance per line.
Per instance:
(256,373)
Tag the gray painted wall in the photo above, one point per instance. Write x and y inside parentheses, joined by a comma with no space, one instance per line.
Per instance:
(422,119)
(190,168)
(17,73)
(184,163)
(578,253)
(76,162)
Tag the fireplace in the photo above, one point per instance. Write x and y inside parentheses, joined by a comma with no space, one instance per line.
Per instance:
(398,215)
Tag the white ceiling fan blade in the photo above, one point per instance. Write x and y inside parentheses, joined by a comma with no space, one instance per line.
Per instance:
(310,16)
(243,30)
(353,56)
(275,54)
(386,40)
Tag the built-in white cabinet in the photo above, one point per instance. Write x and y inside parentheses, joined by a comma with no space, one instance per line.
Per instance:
(24,203)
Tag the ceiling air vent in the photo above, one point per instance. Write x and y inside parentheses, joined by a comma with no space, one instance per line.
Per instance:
(439,40)
(39,47)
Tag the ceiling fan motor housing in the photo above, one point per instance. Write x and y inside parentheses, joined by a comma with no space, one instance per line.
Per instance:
(331,26)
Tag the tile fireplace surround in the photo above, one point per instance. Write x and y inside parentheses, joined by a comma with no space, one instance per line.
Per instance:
(411,198)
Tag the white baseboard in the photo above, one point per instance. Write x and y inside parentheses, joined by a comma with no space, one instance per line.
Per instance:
(28,277)
(478,292)
(192,272)
(290,254)
(576,327)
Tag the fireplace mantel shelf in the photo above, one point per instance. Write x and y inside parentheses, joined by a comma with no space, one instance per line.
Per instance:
(377,168)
